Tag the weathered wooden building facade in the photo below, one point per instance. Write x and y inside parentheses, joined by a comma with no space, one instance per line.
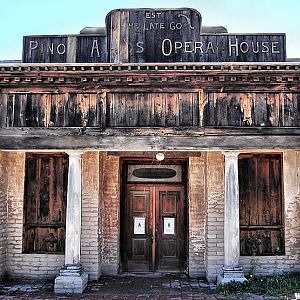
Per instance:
(150,147)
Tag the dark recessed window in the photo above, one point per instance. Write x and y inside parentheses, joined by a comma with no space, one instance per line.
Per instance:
(154,173)
(261,204)
(45,201)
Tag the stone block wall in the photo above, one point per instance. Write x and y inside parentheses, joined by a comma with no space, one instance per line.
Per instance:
(197,212)
(214,256)
(290,262)
(110,213)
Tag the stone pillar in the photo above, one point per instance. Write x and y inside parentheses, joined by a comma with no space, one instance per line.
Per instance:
(71,277)
(231,270)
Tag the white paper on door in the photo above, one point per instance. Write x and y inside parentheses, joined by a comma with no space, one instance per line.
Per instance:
(139,225)
(169,225)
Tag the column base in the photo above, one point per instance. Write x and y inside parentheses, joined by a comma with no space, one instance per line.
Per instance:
(231,274)
(71,280)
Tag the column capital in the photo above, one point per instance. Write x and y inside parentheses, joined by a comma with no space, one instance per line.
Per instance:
(74,153)
(231,154)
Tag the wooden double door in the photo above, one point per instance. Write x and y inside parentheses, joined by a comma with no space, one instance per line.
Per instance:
(154,228)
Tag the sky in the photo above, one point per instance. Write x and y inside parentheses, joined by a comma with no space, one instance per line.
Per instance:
(47,17)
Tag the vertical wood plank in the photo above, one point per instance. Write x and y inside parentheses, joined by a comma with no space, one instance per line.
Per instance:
(273,107)
(79,104)
(158,110)
(144,109)
(45,178)
(120,109)
(71,49)
(32,111)
(246,103)
(171,110)
(203,100)
(3,110)
(124,38)
(275,192)
(130,110)
(102,110)
(211,109)
(221,104)
(291,109)
(83,104)
(43,110)
(234,115)
(195,98)
(115,37)
(109,110)
(58,104)
(92,110)
(260,110)
(38,187)
(20,110)
(71,110)
(52,217)
(10,110)
(46,99)
(185,109)
(29,193)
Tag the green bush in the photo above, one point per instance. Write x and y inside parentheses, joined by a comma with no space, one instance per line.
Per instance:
(278,285)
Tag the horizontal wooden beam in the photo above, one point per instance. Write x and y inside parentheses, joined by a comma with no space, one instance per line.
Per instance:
(150,139)
(211,76)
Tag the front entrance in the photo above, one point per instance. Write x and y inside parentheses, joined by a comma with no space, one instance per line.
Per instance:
(154,228)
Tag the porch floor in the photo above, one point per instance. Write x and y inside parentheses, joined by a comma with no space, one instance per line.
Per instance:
(129,287)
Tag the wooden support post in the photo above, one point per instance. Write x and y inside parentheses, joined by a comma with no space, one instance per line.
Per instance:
(232,271)
(72,279)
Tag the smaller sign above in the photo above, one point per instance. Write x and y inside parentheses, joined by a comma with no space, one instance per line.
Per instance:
(139,225)
(142,35)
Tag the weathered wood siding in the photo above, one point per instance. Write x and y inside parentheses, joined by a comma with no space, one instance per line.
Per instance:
(153,109)
(51,110)
(149,109)
(45,200)
(261,205)
(253,109)
(94,110)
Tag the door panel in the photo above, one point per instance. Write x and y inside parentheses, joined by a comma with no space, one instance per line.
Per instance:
(154,227)
(171,229)
(137,222)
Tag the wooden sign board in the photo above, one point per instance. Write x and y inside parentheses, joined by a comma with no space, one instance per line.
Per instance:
(65,49)
(241,48)
(143,35)
(154,35)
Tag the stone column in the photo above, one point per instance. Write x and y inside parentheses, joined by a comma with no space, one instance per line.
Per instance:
(71,278)
(231,271)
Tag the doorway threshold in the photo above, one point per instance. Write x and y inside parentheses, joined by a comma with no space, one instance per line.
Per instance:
(153,274)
